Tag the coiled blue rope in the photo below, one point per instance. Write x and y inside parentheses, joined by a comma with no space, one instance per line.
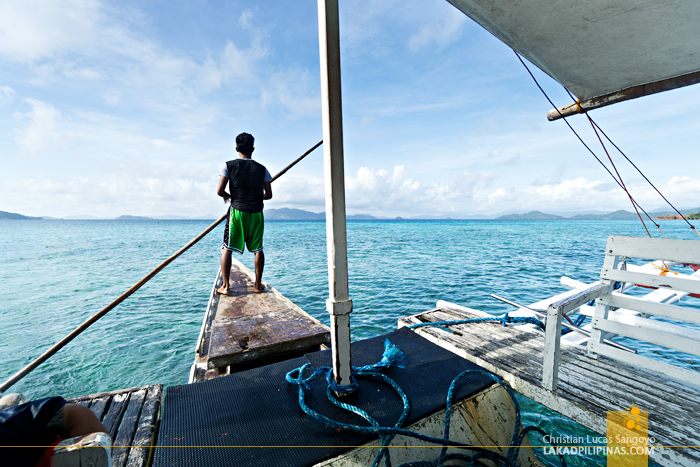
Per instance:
(392,358)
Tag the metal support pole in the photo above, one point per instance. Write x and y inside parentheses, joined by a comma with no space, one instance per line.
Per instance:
(339,304)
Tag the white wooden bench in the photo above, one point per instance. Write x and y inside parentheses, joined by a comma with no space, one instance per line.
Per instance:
(675,336)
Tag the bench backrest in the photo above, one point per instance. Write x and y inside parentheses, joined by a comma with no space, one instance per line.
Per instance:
(675,336)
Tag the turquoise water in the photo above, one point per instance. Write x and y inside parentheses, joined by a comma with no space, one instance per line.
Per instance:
(55,274)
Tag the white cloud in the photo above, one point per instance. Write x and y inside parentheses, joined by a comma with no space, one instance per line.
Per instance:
(84,73)
(295,91)
(135,189)
(31,30)
(568,195)
(418,26)
(298,192)
(683,188)
(233,64)
(380,192)
(438,31)
(112,97)
(391,193)
(44,130)
(7,95)
(245,19)
(566,189)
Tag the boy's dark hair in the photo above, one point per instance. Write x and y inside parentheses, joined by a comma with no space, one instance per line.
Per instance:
(244,143)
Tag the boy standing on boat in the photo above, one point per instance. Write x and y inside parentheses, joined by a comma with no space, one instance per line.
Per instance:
(249,184)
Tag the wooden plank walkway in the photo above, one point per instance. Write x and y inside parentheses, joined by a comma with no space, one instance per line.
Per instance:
(245,327)
(588,388)
(131,416)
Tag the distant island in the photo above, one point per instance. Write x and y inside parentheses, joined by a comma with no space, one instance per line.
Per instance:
(290,214)
(134,218)
(533,215)
(13,215)
(616,215)
(299,214)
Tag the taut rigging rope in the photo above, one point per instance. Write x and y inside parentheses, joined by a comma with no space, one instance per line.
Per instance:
(621,185)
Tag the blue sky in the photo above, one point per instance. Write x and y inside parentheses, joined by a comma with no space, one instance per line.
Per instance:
(131,107)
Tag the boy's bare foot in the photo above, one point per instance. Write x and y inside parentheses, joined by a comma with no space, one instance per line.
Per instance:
(223,290)
(257,288)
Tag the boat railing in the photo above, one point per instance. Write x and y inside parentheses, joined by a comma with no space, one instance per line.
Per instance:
(607,321)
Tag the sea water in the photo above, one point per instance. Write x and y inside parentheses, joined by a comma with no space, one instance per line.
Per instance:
(56,274)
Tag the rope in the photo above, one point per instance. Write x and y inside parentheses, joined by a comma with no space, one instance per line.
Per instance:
(580,139)
(618,174)
(595,125)
(391,358)
(577,322)
(664,270)
(645,178)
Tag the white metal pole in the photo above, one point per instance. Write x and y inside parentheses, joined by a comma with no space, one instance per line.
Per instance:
(339,304)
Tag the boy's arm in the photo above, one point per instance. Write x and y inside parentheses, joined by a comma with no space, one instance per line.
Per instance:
(267,190)
(221,190)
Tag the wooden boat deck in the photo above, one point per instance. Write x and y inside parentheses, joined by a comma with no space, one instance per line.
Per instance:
(245,329)
(588,388)
(131,416)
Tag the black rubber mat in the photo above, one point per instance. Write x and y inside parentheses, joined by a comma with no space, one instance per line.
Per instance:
(253,417)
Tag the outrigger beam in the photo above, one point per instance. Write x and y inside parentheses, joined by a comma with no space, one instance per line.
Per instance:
(632,92)
(339,304)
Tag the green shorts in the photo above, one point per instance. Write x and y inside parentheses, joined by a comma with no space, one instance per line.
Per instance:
(244,228)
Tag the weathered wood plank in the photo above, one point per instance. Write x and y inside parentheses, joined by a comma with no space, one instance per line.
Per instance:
(626,374)
(127,428)
(100,405)
(107,394)
(682,374)
(588,388)
(574,380)
(571,357)
(115,412)
(571,404)
(248,337)
(244,326)
(144,438)
(131,416)
(574,383)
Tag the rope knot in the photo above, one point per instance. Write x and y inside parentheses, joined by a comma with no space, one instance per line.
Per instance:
(338,389)
(505,320)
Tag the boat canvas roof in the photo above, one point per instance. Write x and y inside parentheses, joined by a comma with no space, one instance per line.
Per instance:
(598,47)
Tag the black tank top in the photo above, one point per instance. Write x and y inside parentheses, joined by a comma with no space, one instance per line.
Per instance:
(245,182)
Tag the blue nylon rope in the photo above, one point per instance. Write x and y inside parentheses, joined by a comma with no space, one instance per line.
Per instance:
(392,358)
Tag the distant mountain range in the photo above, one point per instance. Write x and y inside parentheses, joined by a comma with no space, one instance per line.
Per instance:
(299,214)
(12,215)
(617,215)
